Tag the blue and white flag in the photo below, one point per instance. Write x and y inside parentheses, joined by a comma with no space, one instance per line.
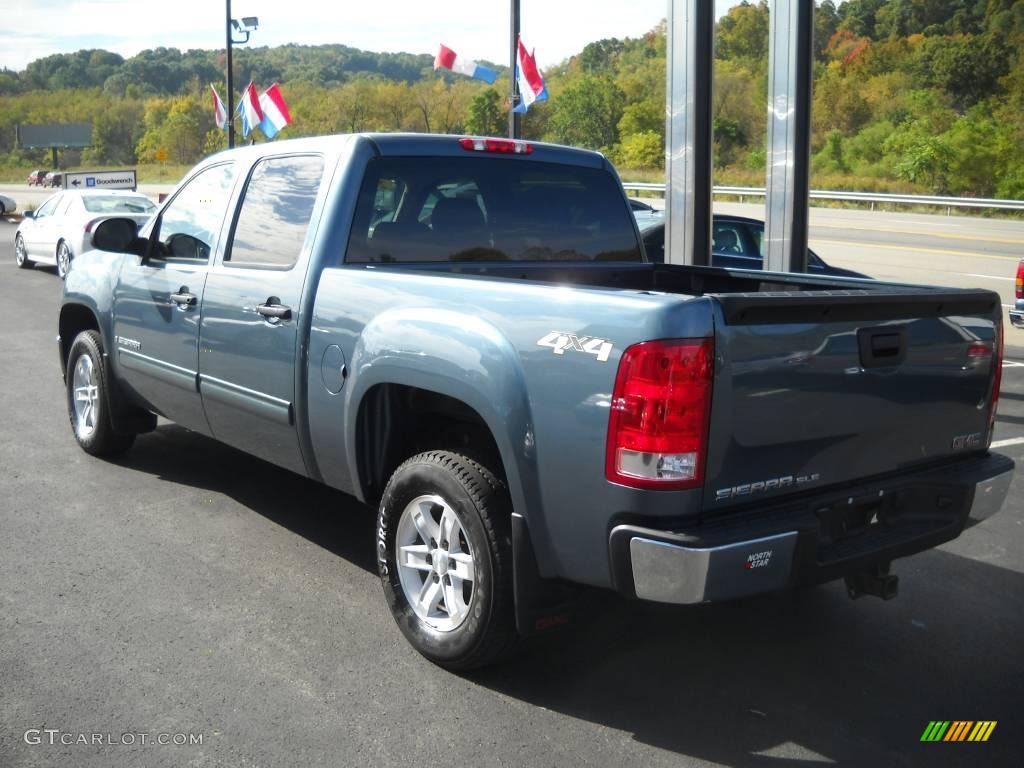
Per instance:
(249,110)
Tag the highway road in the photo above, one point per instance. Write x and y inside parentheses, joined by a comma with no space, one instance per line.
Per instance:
(187,588)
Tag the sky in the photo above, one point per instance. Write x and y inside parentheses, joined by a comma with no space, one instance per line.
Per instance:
(477,29)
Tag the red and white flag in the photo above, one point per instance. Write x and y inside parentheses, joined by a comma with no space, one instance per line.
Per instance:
(220,114)
(249,109)
(448,59)
(530,79)
(275,112)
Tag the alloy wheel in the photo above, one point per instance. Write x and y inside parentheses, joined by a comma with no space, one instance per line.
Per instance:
(435,562)
(86,397)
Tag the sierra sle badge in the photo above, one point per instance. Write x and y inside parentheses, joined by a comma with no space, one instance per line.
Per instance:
(763,486)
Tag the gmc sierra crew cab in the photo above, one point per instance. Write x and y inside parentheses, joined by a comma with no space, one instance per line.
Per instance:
(466,333)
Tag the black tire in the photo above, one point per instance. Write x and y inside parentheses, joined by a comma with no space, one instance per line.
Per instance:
(482,506)
(100,439)
(63,258)
(20,254)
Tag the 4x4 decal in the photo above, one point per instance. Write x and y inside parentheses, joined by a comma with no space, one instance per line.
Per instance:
(559,342)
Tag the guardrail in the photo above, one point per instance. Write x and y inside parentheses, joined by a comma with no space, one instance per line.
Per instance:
(859,197)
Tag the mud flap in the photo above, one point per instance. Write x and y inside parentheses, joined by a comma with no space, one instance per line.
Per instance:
(541,604)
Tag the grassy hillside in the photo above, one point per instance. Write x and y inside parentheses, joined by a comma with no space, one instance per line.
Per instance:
(915,95)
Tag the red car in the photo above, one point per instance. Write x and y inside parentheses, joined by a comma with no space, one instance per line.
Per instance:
(36,178)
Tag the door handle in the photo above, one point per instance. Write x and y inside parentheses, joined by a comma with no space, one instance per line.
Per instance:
(274,309)
(183,298)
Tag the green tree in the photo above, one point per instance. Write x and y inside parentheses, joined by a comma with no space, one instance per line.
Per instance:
(642,150)
(116,131)
(587,113)
(486,116)
(599,57)
(743,32)
(967,67)
(926,160)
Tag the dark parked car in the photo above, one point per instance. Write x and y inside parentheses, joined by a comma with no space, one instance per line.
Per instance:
(35,179)
(53,179)
(738,243)
(646,215)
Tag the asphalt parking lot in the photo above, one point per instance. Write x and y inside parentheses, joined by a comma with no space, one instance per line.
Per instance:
(190,589)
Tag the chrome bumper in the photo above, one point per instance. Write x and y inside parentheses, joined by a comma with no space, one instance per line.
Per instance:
(989,495)
(1017,318)
(669,571)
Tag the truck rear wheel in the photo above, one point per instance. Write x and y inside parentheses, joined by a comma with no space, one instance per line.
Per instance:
(444,555)
(88,398)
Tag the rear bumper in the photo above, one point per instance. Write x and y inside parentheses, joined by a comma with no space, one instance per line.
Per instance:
(1017,317)
(819,538)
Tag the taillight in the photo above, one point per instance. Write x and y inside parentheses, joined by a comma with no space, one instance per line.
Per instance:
(658,426)
(91,224)
(997,381)
(979,353)
(500,146)
(1020,280)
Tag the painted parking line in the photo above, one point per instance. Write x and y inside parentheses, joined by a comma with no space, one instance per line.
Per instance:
(931,233)
(1007,443)
(991,277)
(1012,364)
(914,249)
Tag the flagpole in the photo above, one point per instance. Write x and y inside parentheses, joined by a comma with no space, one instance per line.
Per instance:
(515,120)
(231,87)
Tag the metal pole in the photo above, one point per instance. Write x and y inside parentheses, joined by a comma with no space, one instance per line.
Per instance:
(688,153)
(515,120)
(231,85)
(789,135)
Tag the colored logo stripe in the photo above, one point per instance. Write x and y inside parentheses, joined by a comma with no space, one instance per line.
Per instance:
(958,730)
(982,730)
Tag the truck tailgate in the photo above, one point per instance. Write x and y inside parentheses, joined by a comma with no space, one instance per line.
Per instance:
(818,388)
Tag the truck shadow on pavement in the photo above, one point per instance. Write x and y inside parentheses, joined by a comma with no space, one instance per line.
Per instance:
(333,520)
(797,679)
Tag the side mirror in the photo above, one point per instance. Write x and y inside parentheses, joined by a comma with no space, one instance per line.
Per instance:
(29,215)
(117,235)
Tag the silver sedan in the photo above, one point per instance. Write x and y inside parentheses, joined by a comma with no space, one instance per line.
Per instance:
(62,227)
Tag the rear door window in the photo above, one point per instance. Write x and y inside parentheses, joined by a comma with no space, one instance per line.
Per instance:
(416,209)
(275,213)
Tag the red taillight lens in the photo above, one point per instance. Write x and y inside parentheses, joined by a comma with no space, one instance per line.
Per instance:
(1020,280)
(997,382)
(979,354)
(658,426)
(91,224)
(500,146)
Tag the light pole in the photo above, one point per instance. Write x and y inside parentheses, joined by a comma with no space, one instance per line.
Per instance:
(515,120)
(244,27)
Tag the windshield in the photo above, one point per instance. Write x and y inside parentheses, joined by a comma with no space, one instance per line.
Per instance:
(117,204)
(416,209)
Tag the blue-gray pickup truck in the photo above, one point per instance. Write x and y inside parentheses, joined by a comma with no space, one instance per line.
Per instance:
(467,334)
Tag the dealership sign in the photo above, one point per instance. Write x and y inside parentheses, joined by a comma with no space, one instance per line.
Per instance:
(101,180)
